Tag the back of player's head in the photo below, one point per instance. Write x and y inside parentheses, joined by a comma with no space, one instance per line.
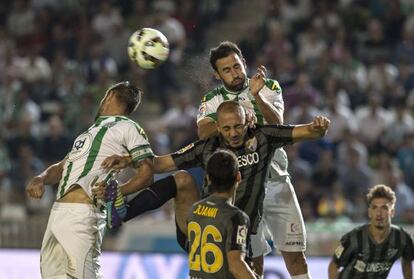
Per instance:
(127,94)
(381,191)
(224,49)
(222,169)
(230,107)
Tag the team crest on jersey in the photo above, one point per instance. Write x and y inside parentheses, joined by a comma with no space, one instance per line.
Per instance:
(360,266)
(241,235)
(80,147)
(185,148)
(202,109)
(251,144)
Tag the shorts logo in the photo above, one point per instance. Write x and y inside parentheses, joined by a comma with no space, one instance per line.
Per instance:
(241,235)
(294,227)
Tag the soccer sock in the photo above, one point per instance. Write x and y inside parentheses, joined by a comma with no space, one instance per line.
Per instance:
(302,276)
(152,197)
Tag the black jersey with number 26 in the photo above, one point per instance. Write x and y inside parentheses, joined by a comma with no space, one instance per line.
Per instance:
(215,227)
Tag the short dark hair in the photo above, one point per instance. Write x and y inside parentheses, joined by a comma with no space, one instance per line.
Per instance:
(224,49)
(128,94)
(222,169)
(229,106)
(381,191)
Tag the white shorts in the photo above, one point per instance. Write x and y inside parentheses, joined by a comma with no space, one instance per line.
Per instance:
(282,216)
(72,242)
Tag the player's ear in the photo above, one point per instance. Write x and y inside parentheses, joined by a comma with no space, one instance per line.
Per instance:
(216,75)
(238,177)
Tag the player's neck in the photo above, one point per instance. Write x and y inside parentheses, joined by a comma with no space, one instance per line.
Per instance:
(379,235)
(226,195)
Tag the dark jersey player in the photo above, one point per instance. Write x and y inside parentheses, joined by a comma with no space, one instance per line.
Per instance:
(218,232)
(369,251)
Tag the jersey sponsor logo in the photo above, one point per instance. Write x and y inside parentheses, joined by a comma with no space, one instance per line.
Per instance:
(185,148)
(378,267)
(206,211)
(338,251)
(251,144)
(248,159)
(81,147)
(241,235)
(294,227)
(202,110)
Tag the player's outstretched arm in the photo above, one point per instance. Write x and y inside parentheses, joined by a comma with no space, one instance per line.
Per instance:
(407,269)
(164,163)
(50,176)
(143,177)
(333,270)
(314,130)
(238,267)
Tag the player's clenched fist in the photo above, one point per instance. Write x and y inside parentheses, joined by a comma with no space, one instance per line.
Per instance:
(320,124)
(36,188)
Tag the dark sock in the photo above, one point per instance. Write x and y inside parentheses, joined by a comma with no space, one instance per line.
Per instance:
(152,197)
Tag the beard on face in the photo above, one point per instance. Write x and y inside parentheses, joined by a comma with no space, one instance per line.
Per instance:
(237,84)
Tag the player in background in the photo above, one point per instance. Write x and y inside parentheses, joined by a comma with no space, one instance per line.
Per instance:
(218,232)
(370,250)
(72,241)
(254,148)
(261,97)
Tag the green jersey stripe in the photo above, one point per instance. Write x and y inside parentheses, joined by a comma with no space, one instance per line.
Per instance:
(139,148)
(65,180)
(96,144)
(258,113)
(142,157)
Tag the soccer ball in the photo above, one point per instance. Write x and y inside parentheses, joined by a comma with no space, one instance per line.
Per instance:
(148,48)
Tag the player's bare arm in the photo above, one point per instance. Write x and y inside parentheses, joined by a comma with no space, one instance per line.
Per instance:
(52,175)
(407,269)
(314,130)
(206,128)
(272,114)
(164,164)
(143,177)
(238,267)
(333,270)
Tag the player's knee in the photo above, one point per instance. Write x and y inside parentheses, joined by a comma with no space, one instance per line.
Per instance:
(184,181)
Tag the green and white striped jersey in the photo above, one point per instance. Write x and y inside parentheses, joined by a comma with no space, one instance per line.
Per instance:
(110,135)
(272,92)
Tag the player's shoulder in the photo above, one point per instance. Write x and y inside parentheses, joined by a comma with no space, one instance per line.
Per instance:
(399,230)
(273,85)
(355,231)
(210,95)
(239,214)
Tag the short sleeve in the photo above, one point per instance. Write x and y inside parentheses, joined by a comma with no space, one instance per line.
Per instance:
(208,107)
(344,251)
(136,143)
(275,95)
(238,234)
(278,135)
(408,249)
(189,156)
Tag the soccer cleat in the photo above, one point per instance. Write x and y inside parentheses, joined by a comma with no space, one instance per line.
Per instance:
(115,204)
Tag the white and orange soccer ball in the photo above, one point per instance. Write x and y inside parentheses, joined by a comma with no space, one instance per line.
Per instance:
(148,48)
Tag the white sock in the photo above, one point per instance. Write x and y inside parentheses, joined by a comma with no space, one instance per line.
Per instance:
(302,276)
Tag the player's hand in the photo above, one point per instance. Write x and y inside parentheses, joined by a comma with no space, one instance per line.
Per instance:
(258,81)
(98,190)
(320,125)
(36,188)
(251,119)
(116,162)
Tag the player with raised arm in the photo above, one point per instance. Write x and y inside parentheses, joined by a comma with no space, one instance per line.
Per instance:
(254,148)
(370,250)
(261,97)
(72,241)
(218,232)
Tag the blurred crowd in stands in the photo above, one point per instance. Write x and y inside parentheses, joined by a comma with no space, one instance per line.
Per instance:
(351,60)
